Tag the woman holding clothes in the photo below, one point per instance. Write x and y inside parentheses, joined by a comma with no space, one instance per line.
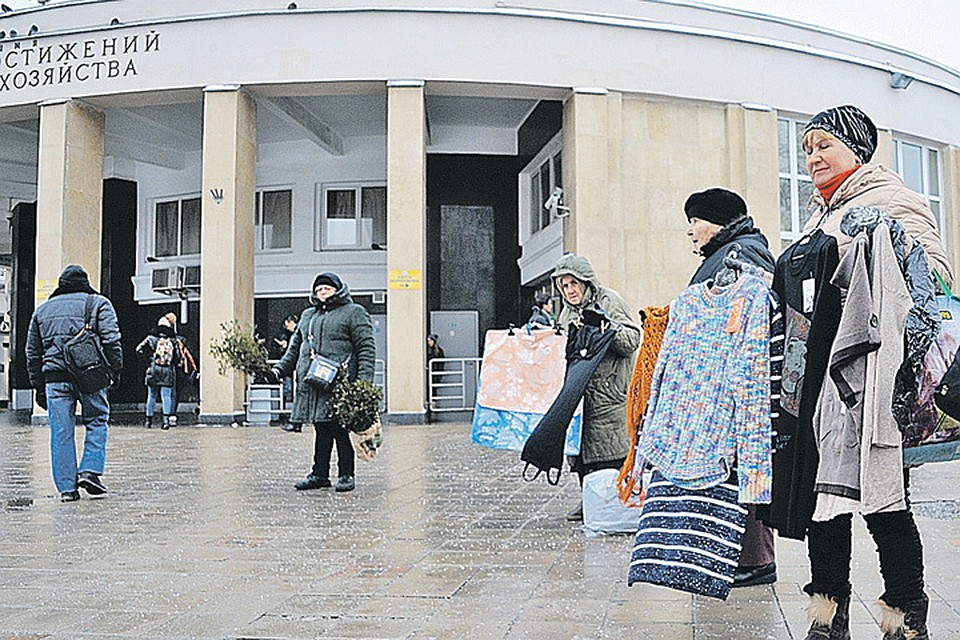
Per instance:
(334,327)
(839,143)
(718,222)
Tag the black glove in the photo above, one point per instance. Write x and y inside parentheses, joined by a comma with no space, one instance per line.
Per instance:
(277,375)
(41,398)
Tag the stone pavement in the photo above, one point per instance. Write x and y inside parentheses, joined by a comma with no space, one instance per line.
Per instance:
(202,536)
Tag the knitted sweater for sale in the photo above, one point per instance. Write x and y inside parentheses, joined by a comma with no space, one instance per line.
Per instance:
(709,407)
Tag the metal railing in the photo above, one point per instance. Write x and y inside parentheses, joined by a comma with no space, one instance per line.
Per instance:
(452,383)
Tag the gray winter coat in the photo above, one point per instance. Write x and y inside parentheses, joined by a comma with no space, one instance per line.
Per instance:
(338,329)
(159,375)
(57,320)
(604,434)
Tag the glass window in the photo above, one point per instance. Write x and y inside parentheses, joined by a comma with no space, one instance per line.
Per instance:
(274,210)
(177,228)
(354,217)
(795,186)
(537,181)
(919,166)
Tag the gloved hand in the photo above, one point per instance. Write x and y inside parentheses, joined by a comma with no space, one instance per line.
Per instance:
(277,375)
(41,398)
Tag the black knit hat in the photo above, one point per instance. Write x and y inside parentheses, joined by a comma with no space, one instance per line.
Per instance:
(716,205)
(328,278)
(849,125)
(75,277)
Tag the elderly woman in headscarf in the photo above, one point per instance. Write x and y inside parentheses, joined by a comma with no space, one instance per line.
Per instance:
(839,144)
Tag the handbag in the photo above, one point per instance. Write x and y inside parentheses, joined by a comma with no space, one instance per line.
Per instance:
(322,372)
(83,353)
(933,434)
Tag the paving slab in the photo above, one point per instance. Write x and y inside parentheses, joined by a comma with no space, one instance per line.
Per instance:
(203,537)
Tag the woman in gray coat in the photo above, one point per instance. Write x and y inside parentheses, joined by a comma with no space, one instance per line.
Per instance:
(336,328)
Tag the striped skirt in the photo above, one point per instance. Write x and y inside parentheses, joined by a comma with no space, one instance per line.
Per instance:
(688,540)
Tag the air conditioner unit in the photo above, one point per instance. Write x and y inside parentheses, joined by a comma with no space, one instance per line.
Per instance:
(191,278)
(167,280)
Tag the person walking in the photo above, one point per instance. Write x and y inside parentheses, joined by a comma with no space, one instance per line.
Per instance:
(337,328)
(718,222)
(276,348)
(53,323)
(839,144)
(162,354)
(603,439)
(187,371)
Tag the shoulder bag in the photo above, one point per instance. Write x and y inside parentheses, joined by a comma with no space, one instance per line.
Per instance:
(86,362)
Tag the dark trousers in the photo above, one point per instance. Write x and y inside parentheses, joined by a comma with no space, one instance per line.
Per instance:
(326,434)
(829,546)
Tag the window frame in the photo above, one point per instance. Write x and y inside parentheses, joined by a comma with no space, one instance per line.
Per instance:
(795,174)
(320,239)
(550,156)
(258,226)
(179,199)
(925,192)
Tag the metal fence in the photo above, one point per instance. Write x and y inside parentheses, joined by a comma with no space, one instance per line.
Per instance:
(452,383)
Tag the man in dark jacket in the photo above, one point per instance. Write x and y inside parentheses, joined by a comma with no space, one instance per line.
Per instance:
(53,323)
(336,328)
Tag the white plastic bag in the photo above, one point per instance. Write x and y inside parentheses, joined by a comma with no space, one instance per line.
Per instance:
(602,512)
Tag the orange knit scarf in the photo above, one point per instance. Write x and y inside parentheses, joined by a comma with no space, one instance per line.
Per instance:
(654,326)
(830,187)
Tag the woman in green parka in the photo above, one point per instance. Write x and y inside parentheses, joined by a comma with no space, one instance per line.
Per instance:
(603,439)
(335,327)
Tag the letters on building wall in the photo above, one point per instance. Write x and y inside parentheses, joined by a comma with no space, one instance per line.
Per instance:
(31,64)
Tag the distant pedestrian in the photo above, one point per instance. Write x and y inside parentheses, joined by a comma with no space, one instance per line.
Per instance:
(53,323)
(336,328)
(187,371)
(542,311)
(276,348)
(162,355)
(434,350)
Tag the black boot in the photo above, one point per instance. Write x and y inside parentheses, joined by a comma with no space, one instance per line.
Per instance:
(148,422)
(909,623)
(829,618)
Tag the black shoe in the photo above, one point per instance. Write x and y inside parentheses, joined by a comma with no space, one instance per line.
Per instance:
(345,483)
(148,422)
(576,514)
(294,428)
(753,576)
(69,496)
(312,482)
(90,482)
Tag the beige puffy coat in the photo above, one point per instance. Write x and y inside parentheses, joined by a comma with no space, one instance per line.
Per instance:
(874,185)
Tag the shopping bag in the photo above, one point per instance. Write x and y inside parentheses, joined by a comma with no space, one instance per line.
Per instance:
(934,435)
(603,514)
(521,374)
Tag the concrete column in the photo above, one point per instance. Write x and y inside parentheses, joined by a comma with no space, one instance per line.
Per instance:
(406,251)
(752,165)
(226,237)
(950,201)
(592,175)
(69,192)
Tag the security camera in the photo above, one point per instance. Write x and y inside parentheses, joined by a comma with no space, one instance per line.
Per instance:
(555,203)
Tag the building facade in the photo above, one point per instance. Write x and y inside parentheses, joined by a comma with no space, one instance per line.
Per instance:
(211,158)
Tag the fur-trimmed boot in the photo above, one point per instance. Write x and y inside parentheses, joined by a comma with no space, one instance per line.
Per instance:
(909,623)
(169,421)
(829,618)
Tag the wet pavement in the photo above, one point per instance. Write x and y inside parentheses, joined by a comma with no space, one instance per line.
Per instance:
(203,536)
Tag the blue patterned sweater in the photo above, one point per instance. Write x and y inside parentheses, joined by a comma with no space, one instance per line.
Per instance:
(709,405)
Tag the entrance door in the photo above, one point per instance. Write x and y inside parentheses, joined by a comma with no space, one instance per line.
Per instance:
(467,264)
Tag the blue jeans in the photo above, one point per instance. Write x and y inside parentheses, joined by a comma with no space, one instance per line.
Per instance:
(166,400)
(62,398)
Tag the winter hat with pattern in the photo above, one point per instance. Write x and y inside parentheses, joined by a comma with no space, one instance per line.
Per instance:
(849,125)
(716,205)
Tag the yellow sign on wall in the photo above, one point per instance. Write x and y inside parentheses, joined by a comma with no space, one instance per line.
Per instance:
(405,279)
(44,289)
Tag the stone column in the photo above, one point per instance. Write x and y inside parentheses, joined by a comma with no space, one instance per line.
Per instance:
(592,176)
(950,201)
(69,192)
(226,237)
(752,164)
(406,251)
